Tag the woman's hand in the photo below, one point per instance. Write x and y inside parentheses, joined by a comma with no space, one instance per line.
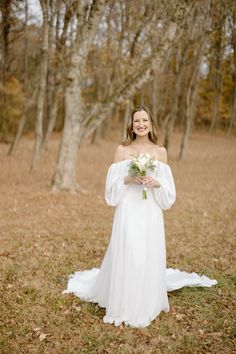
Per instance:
(147,181)
(150,182)
(133,180)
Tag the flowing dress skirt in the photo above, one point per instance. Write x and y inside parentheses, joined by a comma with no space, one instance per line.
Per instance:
(133,280)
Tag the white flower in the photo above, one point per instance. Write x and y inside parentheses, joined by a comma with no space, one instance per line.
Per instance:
(142,161)
(140,165)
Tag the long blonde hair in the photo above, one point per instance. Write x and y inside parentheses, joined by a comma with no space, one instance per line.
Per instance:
(131,136)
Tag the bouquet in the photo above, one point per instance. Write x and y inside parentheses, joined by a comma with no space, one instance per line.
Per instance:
(139,166)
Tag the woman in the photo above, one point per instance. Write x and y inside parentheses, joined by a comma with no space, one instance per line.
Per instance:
(133,281)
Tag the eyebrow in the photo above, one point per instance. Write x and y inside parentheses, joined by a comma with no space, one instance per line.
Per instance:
(141,118)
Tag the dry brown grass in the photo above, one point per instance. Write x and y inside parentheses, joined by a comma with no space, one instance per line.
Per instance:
(45,237)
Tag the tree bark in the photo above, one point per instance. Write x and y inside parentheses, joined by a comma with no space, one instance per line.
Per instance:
(54,86)
(233,111)
(28,103)
(5,6)
(97,134)
(52,119)
(26,78)
(65,173)
(191,97)
(42,85)
(233,104)
(126,117)
(191,100)
(217,80)
(171,119)
(154,99)
(20,127)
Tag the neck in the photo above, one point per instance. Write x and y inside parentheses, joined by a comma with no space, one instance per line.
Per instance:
(142,140)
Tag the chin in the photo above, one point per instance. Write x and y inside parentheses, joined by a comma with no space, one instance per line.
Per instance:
(141,133)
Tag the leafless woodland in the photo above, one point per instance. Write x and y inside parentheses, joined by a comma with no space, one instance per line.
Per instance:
(75,66)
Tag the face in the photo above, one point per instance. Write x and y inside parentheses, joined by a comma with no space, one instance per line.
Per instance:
(141,123)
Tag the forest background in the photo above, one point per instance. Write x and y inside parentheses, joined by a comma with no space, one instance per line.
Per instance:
(71,72)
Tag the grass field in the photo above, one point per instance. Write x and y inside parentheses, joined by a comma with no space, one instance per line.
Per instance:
(44,237)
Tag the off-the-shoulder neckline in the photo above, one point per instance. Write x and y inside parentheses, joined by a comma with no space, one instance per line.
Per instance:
(115,163)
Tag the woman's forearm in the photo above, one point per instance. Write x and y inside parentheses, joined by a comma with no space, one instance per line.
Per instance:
(157,184)
(127,180)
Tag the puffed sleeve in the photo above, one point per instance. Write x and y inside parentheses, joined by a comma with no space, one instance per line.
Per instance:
(165,195)
(115,189)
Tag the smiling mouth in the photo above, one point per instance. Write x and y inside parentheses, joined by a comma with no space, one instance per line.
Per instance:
(141,129)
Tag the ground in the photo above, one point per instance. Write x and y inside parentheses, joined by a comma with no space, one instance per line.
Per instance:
(45,237)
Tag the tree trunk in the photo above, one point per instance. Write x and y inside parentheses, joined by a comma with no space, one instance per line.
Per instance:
(233,104)
(126,118)
(42,86)
(27,104)
(20,127)
(52,119)
(217,81)
(142,96)
(51,69)
(97,134)
(191,100)
(65,174)
(171,119)
(5,6)
(190,113)
(57,25)
(54,87)
(154,99)
(233,111)
(26,76)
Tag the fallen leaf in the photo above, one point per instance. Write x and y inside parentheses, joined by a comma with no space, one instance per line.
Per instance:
(77,308)
(179,316)
(36,329)
(42,336)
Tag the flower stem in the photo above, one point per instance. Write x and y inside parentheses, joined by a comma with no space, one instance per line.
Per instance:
(144,194)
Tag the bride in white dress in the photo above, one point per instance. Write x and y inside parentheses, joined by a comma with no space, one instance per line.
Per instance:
(133,280)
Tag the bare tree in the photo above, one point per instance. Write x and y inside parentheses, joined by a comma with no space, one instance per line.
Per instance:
(87,26)
(42,84)
(217,72)
(126,116)
(191,96)
(54,76)
(28,103)
(233,102)
(154,98)
(132,84)
(172,115)
(5,8)
(199,28)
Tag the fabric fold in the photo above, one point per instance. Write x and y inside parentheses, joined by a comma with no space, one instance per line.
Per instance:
(115,189)
(165,195)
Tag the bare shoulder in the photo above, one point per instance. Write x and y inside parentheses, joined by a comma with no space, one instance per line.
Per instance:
(162,154)
(121,153)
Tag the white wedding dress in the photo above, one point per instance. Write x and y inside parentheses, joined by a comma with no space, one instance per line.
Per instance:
(133,280)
